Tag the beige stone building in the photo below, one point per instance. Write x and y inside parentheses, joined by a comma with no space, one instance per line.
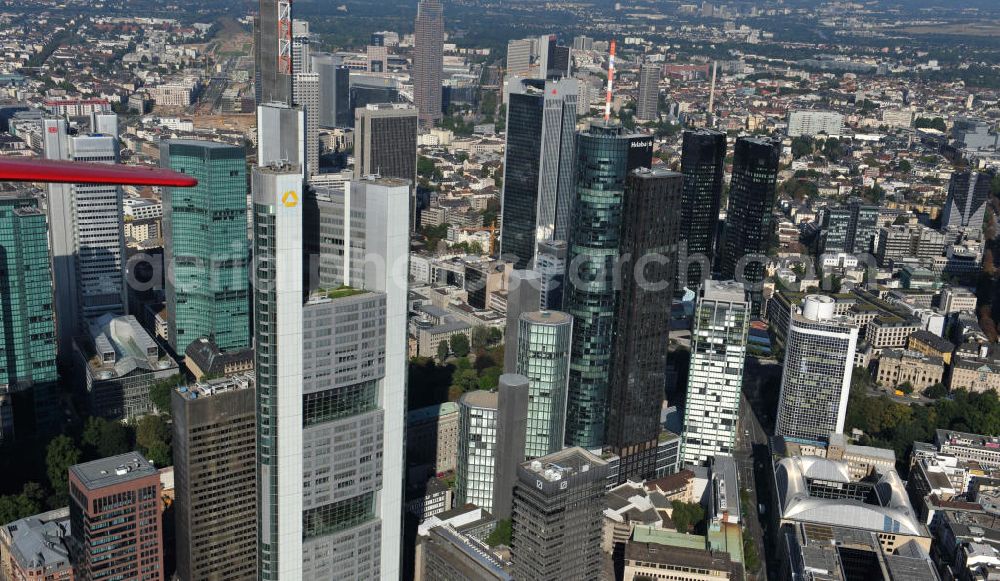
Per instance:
(896,367)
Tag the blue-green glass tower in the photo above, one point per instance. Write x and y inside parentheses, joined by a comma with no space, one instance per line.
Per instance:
(27,326)
(605,155)
(205,245)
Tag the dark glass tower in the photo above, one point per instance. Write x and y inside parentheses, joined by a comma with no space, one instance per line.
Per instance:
(605,156)
(273,52)
(539,166)
(703,162)
(649,234)
(968,195)
(428,61)
(749,219)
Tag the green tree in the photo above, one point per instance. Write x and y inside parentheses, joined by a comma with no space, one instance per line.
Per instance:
(938,390)
(905,387)
(802,146)
(425,167)
(152,437)
(17,506)
(443,351)
(904,166)
(480,337)
(465,380)
(59,456)
(102,438)
(160,392)
(494,336)
(490,378)
(460,344)
(686,515)
(501,534)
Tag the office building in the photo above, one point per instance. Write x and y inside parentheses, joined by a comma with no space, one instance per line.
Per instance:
(432,436)
(551,57)
(816,382)
(648,242)
(85,230)
(648,102)
(901,241)
(273,52)
(27,326)
(822,493)
(550,264)
(519,57)
(523,296)
(513,394)
(428,61)
(749,218)
(378,59)
(583,43)
(314,408)
(974,134)
(539,166)
(281,137)
(558,508)
(445,553)
(477,449)
(813,123)
(965,208)
(306,94)
(703,163)
(115,521)
(385,145)
(542,355)
(116,364)
(205,245)
(850,229)
(334,91)
(215,478)
(301,61)
(35,547)
(606,155)
(715,379)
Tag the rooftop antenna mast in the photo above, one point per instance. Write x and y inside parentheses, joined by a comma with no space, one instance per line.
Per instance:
(611,82)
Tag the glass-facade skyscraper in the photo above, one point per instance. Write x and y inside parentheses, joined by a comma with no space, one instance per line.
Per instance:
(27,325)
(749,219)
(428,61)
(816,381)
(968,194)
(703,162)
(715,380)
(606,153)
(543,349)
(205,245)
(649,231)
(538,167)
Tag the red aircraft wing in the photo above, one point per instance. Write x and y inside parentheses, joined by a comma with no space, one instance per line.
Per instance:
(27,169)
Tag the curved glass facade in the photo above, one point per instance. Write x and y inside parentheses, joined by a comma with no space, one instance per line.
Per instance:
(543,357)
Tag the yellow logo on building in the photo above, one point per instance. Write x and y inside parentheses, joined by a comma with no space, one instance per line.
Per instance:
(290,199)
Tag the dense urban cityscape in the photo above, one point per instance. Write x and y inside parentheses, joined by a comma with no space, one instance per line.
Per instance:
(500,290)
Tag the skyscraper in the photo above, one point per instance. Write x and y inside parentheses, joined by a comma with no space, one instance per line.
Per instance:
(114,511)
(385,144)
(749,219)
(281,137)
(334,91)
(558,507)
(27,327)
(819,361)
(539,166)
(968,194)
(273,52)
(703,163)
(648,244)
(512,418)
(851,228)
(205,245)
(86,231)
(519,54)
(317,411)
(550,264)
(606,155)
(306,89)
(477,448)
(718,353)
(523,288)
(215,473)
(428,61)
(649,92)
(542,352)
(301,63)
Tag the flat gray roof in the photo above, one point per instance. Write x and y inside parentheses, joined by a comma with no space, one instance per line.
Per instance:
(113,470)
